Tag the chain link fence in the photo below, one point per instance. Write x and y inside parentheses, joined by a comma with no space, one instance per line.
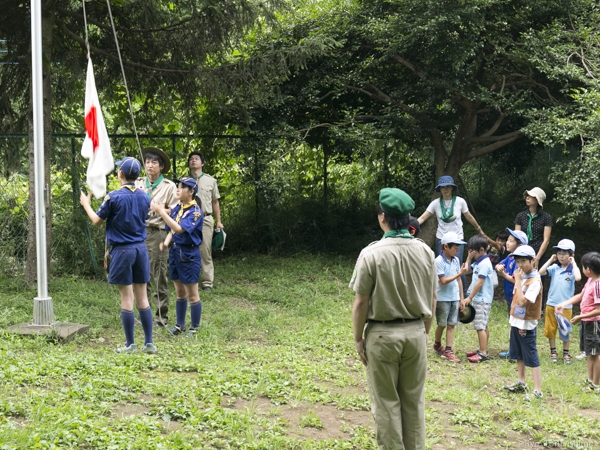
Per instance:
(276,194)
(75,246)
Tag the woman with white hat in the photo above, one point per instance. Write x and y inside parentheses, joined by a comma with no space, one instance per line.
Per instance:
(536,223)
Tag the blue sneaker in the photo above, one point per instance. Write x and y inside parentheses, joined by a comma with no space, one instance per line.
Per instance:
(149,349)
(127,349)
(504,355)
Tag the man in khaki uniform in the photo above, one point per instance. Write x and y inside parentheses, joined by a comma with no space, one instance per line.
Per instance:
(395,284)
(163,191)
(208,193)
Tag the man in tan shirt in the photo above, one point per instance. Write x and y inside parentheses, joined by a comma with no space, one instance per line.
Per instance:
(208,194)
(395,283)
(162,191)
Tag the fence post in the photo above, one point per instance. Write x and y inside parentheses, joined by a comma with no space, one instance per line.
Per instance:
(174,165)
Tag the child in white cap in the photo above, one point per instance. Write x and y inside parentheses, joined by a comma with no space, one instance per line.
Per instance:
(562,287)
(449,293)
(525,312)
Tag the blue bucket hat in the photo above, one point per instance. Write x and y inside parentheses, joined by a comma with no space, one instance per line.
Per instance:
(189,182)
(129,166)
(446,180)
(564,327)
(519,236)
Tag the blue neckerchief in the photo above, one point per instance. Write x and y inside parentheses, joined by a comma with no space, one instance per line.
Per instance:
(534,274)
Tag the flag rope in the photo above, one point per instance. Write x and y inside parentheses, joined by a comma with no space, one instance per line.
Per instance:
(112,23)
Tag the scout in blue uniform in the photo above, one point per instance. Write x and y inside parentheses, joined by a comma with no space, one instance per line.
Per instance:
(185,222)
(125,211)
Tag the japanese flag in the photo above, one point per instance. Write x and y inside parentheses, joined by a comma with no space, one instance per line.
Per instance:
(96,146)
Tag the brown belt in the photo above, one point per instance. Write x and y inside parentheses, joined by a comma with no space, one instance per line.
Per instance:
(399,320)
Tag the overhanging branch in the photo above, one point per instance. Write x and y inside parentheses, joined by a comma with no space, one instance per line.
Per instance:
(495,146)
(96,50)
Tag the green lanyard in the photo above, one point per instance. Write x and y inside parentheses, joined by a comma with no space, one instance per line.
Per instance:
(447,215)
(153,185)
(404,233)
(529,228)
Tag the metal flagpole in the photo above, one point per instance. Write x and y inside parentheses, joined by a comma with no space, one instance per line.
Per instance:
(43,313)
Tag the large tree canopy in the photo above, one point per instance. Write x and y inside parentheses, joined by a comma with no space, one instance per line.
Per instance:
(173,53)
(461,78)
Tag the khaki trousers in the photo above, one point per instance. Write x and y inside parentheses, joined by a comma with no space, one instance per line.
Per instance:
(158,272)
(396,370)
(207,273)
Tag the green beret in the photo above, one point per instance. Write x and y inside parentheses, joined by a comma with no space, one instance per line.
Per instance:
(396,202)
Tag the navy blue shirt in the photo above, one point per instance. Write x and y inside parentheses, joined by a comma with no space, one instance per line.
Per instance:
(125,211)
(190,218)
(510,265)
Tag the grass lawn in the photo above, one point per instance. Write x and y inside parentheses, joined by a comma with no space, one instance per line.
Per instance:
(273,367)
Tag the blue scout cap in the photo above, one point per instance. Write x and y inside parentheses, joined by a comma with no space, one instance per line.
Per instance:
(519,236)
(523,250)
(188,181)
(446,180)
(396,202)
(129,166)
(564,327)
(565,244)
(452,238)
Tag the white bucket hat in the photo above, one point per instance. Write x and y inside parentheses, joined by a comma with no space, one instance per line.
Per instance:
(537,193)
(565,244)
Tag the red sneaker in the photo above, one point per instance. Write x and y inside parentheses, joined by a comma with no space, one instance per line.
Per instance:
(478,358)
(439,349)
(450,356)
(473,353)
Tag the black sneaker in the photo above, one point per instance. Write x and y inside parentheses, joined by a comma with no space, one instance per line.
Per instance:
(176,330)
(517,387)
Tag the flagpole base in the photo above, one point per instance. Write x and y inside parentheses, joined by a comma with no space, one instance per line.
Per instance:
(43,312)
(63,331)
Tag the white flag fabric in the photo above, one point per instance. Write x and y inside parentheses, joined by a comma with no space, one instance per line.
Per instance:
(96,146)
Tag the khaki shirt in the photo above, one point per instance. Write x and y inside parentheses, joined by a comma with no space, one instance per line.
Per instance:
(165,194)
(207,192)
(400,277)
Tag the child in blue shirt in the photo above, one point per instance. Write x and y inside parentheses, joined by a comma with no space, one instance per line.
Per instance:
(562,287)
(507,268)
(449,293)
(125,211)
(185,222)
(481,293)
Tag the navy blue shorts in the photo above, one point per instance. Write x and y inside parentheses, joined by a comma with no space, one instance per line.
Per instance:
(524,347)
(591,337)
(129,264)
(185,264)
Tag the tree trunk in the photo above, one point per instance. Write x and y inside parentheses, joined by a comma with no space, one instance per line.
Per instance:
(48,15)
